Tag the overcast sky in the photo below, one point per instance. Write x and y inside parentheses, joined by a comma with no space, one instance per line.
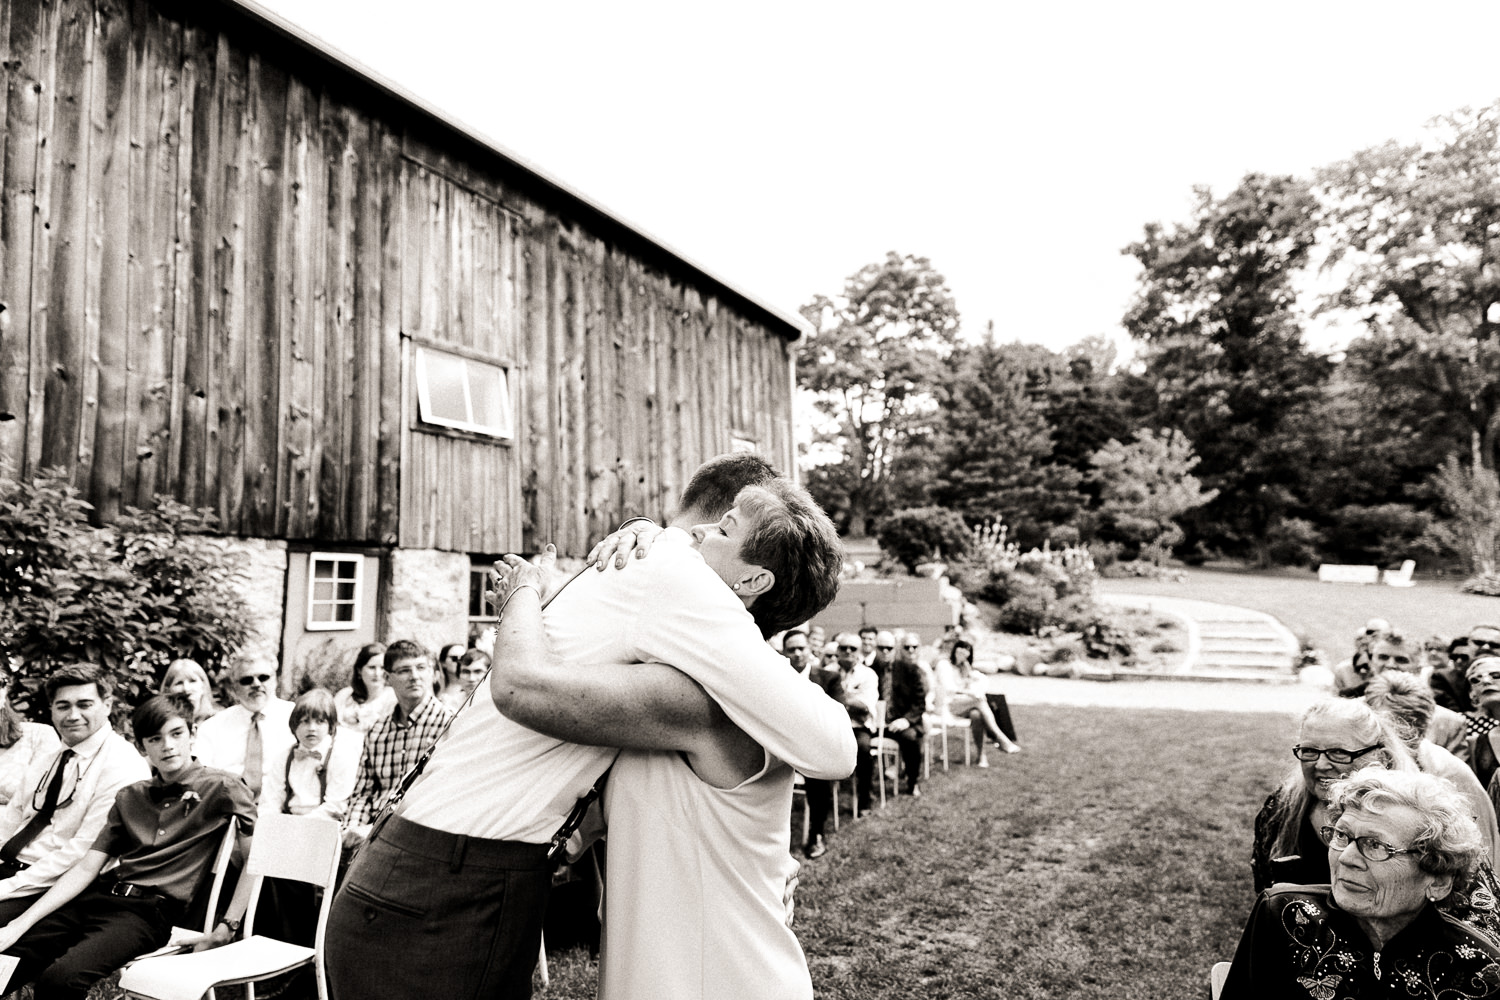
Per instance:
(1018,146)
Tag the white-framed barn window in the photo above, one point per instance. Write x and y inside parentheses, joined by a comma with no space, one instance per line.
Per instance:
(480,610)
(462,393)
(334,583)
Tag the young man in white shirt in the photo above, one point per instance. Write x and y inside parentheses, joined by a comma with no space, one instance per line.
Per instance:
(699,862)
(65,797)
(465,858)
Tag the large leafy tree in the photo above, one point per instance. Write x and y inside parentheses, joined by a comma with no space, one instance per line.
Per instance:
(873,367)
(1223,351)
(995,441)
(1146,485)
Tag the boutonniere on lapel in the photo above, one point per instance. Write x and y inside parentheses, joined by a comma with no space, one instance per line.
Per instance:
(190,798)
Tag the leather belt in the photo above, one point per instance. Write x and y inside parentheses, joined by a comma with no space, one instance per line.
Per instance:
(132,891)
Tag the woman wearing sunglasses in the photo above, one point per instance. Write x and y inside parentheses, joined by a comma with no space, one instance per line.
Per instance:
(1400,846)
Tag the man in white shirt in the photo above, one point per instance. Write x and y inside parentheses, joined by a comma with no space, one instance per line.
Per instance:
(65,797)
(856,687)
(250,737)
(465,858)
(699,860)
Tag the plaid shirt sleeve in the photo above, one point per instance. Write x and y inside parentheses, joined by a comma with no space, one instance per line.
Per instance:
(392,749)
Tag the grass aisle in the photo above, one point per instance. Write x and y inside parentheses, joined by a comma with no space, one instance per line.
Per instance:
(1110,860)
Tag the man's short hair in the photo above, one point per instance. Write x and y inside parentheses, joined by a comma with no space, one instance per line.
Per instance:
(314,705)
(76,675)
(406,649)
(865,630)
(791,632)
(791,536)
(153,715)
(712,490)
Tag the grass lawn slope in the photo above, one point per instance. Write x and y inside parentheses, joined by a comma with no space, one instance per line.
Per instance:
(1109,860)
(1328,614)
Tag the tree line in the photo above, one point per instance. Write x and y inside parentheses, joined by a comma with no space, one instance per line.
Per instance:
(1226,435)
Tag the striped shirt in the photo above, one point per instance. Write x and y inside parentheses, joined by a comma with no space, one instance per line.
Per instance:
(392,747)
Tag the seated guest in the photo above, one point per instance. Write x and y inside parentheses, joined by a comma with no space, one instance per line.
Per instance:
(397,741)
(906,707)
(1393,651)
(1334,738)
(472,666)
(368,698)
(22,745)
(45,829)
(1398,844)
(796,648)
(1482,744)
(1450,687)
(249,737)
(164,834)
(186,677)
(1407,703)
(1351,675)
(967,701)
(316,776)
(853,685)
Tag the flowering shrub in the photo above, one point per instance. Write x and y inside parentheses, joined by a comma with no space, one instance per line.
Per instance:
(1036,591)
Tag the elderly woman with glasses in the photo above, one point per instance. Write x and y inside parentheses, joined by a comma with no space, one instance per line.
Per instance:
(1400,843)
(1335,737)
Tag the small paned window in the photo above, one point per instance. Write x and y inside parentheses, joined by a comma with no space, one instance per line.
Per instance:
(480,610)
(462,393)
(333,591)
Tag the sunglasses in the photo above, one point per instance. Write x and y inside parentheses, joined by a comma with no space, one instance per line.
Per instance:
(848,649)
(885,648)
(250,679)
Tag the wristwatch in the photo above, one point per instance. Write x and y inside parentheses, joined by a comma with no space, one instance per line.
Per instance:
(233,925)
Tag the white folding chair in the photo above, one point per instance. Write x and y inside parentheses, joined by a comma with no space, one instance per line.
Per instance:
(299,848)
(1216,977)
(220,869)
(882,747)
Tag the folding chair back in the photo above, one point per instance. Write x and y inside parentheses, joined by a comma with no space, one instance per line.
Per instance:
(1216,977)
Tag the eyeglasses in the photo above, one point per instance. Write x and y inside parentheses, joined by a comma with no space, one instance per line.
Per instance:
(409,669)
(1485,643)
(1488,675)
(1375,850)
(250,679)
(848,649)
(886,648)
(1335,755)
(911,647)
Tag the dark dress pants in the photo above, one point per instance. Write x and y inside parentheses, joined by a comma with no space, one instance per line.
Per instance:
(912,741)
(424,915)
(864,769)
(86,940)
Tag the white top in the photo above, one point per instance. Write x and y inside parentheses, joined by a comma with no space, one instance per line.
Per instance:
(103,764)
(362,716)
(1435,760)
(695,886)
(36,740)
(220,740)
(494,778)
(343,764)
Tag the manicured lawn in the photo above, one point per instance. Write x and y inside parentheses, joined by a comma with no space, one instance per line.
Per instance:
(1109,860)
(1329,614)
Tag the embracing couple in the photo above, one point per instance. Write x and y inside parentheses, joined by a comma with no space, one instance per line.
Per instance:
(657,664)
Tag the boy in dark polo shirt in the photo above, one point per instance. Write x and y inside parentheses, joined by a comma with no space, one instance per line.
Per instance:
(165,833)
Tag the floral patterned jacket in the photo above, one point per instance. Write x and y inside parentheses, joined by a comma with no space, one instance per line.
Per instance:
(1299,945)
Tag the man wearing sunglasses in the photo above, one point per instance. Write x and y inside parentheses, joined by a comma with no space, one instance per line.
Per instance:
(65,796)
(254,733)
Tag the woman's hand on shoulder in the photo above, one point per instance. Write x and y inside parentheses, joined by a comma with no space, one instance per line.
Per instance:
(636,537)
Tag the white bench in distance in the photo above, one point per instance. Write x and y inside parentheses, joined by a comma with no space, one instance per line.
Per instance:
(1333,573)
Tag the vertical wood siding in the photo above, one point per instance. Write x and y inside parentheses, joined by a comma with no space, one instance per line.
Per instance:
(217,253)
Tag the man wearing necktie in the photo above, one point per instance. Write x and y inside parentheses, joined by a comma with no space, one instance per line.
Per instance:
(252,736)
(65,797)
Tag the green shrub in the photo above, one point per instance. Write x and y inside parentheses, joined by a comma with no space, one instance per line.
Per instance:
(130,598)
(921,534)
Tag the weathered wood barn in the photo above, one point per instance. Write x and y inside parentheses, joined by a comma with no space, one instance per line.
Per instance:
(238,270)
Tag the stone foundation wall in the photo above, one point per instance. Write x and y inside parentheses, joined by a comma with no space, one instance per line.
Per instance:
(428,597)
(264,589)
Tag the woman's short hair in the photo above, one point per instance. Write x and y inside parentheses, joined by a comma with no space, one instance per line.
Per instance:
(1446,843)
(953,653)
(315,705)
(153,714)
(789,535)
(1406,701)
(372,651)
